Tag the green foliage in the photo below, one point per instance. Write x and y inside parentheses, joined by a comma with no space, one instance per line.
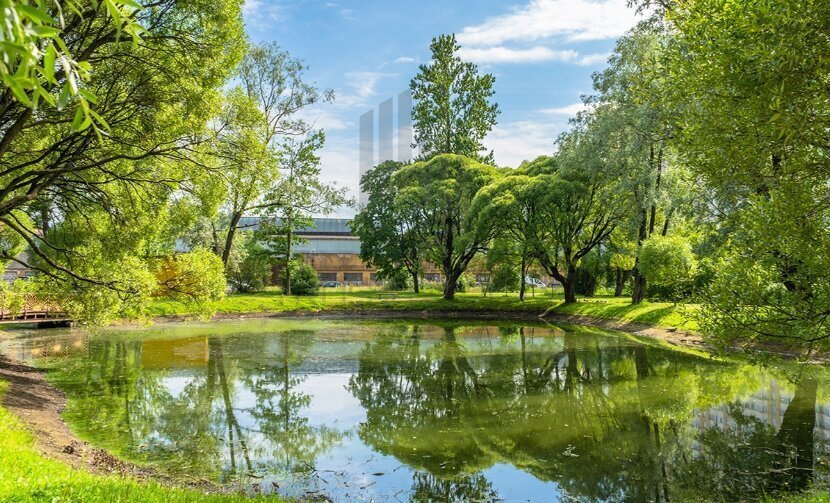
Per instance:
(304,280)
(98,207)
(668,261)
(452,112)
(397,279)
(11,297)
(37,65)
(439,194)
(504,278)
(195,277)
(388,239)
(249,266)
(753,127)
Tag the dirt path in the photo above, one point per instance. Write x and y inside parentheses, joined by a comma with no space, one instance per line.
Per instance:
(39,405)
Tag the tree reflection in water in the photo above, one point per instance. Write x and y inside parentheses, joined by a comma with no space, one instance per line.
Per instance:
(587,415)
(605,421)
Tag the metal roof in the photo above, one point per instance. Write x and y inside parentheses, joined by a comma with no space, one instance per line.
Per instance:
(321,227)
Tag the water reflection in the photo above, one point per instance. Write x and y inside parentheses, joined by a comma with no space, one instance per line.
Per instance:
(449,412)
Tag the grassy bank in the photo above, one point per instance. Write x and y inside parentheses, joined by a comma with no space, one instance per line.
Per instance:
(365,300)
(26,476)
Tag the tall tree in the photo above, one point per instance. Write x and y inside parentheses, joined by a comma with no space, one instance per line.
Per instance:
(630,93)
(753,125)
(388,238)
(438,194)
(452,112)
(298,196)
(511,204)
(274,82)
(579,205)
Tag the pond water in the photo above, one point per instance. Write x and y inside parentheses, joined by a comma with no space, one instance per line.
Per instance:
(439,411)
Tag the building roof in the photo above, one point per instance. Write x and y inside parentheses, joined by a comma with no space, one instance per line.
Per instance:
(321,227)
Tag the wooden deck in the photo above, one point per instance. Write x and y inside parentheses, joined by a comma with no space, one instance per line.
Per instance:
(40,311)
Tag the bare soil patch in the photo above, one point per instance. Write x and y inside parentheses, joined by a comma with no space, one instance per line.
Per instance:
(39,405)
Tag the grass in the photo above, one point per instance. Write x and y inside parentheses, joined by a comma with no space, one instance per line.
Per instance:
(660,314)
(26,476)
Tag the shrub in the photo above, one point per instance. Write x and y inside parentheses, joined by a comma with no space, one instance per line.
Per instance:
(668,263)
(304,280)
(397,279)
(504,279)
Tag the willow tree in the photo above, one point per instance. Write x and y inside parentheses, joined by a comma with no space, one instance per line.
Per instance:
(580,200)
(753,125)
(439,194)
(89,202)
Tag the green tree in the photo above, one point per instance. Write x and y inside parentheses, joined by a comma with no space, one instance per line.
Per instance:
(298,195)
(97,205)
(578,208)
(753,126)
(511,205)
(439,194)
(452,112)
(668,262)
(388,238)
(272,81)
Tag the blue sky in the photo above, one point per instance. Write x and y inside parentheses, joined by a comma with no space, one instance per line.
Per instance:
(542,53)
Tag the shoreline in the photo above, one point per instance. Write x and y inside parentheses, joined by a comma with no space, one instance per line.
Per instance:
(38,404)
(671,335)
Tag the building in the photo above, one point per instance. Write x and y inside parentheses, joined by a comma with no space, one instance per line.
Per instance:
(330,248)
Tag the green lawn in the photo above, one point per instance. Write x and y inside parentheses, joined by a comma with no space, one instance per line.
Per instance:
(26,476)
(652,313)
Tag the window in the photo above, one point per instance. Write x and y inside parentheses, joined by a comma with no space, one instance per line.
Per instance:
(432,276)
(353,277)
(373,276)
(327,276)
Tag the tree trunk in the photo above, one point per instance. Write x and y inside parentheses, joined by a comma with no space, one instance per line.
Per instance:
(450,285)
(288,257)
(415,283)
(226,253)
(569,285)
(522,280)
(622,278)
(639,293)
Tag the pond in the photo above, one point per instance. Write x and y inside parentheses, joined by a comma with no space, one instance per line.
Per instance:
(439,411)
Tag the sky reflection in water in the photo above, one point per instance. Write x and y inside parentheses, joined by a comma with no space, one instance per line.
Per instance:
(439,411)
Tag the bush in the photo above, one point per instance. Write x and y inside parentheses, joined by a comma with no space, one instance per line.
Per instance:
(668,264)
(465,282)
(304,280)
(249,266)
(398,279)
(504,279)
(11,298)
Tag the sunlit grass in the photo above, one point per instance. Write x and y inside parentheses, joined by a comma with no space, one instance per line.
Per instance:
(663,314)
(27,476)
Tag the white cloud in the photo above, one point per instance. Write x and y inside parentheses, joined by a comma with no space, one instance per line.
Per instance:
(575,20)
(262,12)
(508,55)
(364,83)
(406,59)
(538,31)
(593,59)
(518,141)
(567,110)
